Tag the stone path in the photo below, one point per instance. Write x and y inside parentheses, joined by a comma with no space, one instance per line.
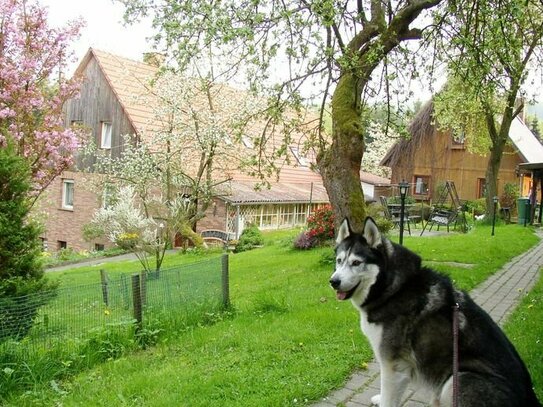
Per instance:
(498,296)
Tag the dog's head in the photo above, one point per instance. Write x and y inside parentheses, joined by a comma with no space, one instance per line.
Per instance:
(357,261)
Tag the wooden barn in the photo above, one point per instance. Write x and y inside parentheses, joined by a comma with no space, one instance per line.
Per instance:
(115,101)
(431,156)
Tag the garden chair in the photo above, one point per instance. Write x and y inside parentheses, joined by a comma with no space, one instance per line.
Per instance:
(393,217)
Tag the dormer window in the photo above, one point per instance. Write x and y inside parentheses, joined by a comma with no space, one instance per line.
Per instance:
(247,142)
(302,161)
(458,138)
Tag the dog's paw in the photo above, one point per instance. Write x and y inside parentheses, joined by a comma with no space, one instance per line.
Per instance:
(376,400)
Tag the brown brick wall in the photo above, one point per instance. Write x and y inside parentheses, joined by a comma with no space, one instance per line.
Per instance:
(215,217)
(67,225)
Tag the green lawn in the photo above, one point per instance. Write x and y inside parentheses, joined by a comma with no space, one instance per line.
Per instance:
(286,342)
(525,329)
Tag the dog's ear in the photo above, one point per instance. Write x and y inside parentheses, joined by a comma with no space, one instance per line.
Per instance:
(372,233)
(344,231)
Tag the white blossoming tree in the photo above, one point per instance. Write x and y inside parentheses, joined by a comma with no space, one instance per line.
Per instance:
(378,143)
(174,169)
(126,226)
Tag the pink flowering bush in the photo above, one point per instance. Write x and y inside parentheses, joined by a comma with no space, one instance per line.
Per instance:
(305,242)
(33,57)
(320,227)
(320,224)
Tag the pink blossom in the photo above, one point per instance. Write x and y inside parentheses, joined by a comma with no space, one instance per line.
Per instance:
(32,55)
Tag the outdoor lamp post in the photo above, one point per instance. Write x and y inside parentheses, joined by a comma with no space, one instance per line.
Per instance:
(403,192)
(495,200)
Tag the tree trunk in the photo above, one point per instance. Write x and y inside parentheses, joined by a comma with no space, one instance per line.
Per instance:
(494,162)
(492,171)
(340,164)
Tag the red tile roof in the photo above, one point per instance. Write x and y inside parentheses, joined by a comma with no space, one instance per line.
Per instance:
(130,81)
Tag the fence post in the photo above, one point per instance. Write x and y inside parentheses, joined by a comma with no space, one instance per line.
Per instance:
(136,299)
(225,281)
(105,291)
(143,283)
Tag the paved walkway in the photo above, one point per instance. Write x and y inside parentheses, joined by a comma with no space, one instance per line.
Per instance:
(97,261)
(498,296)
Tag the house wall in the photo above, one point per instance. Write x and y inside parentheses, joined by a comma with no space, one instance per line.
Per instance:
(98,103)
(66,225)
(443,161)
(215,217)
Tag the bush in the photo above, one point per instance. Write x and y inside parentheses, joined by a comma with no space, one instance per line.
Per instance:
(509,196)
(384,225)
(320,225)
(304,241)
(477,207)
(21,267)
(249,239)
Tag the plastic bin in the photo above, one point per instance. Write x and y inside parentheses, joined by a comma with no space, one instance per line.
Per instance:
(523,209)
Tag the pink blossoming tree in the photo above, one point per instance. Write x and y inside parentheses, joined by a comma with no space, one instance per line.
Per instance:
(33,56)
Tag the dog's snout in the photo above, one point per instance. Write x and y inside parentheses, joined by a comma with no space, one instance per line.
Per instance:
(335,282)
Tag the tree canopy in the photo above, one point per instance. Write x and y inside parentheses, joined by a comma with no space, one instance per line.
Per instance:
(491,47)
(31,119)
(337,55)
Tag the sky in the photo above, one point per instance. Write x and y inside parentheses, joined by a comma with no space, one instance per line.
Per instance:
(104,28)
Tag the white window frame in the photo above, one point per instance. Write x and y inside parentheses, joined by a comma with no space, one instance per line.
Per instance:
(247,142)
(67,203)
(422,184)
(106,135)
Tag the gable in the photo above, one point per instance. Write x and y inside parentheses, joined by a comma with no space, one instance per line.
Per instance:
(525,142)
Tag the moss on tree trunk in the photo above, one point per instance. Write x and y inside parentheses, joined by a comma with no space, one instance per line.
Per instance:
(340,164)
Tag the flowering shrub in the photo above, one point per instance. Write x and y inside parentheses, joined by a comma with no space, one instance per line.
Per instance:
(127,241)
(304,241)
(30,105)
(320,225)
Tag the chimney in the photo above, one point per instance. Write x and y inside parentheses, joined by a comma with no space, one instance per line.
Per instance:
(154,58)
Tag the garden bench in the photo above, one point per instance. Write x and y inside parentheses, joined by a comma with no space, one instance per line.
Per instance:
(216,236)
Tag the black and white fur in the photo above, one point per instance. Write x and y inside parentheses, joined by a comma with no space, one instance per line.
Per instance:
(406,314)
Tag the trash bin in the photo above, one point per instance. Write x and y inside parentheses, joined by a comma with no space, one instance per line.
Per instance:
(523,209)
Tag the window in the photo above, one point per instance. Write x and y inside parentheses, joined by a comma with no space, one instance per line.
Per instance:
(247,142)
(61,244)
(302,161)
(68,194)
(458,139)
(422,185)
(481,188)
(99,247)
(105,140)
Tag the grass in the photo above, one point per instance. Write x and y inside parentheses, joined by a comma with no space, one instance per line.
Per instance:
(484,252)
(287,341)
(91,274)
(525,330)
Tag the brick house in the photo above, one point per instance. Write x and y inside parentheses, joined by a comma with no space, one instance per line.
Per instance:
(110,106)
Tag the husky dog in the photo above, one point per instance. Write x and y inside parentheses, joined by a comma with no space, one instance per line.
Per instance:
(406,312)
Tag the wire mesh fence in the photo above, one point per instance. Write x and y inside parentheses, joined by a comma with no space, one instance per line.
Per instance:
(70,317)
